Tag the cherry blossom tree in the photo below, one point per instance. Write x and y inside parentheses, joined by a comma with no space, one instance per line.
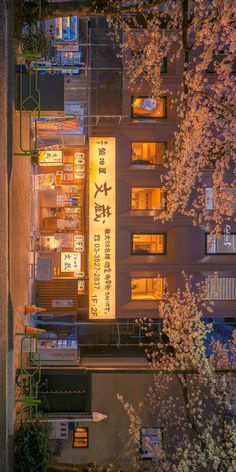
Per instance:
(192,393)
(199,36)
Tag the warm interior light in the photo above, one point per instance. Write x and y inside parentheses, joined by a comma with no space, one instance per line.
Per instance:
(147,288)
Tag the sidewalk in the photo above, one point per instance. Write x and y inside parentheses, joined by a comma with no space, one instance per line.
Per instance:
(20,227)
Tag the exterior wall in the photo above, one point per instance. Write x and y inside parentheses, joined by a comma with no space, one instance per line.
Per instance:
(108,439)
(185,250)
(185,244)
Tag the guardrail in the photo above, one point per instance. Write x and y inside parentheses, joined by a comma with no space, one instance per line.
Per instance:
(30,13)
(31,102)
(28,376)
(31,9)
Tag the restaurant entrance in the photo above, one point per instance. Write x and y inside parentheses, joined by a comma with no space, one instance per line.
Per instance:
(60,240)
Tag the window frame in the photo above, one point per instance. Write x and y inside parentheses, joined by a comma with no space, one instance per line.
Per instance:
(145,117)
(211,200)
(219,299)
(218,57)
(151,253)
(165,65)
(147,142)
(147,209)
(146,299)
(159,434)
(218,253)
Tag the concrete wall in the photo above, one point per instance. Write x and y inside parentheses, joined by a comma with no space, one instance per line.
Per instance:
(108,440)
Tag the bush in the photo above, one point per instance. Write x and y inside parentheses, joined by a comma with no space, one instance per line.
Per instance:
(32,446)
(36,42)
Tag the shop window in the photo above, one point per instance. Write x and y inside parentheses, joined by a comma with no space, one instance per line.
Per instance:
(221,288)
(147,288)
(148,153)
(225,244)
(80,437)
(149,198)
(150,438)
(144,244)
(146,108)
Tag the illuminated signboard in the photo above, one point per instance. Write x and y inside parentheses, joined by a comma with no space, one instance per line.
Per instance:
(70,261)
(102,242)
(50,158)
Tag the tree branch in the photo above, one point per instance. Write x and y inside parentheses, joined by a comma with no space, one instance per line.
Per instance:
(210,97)
(93,8)
(185,23)
(189,415)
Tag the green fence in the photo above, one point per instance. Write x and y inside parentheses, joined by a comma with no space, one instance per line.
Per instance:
(29,104)
(28,376)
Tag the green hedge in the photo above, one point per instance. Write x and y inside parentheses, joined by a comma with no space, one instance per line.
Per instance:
(32,446)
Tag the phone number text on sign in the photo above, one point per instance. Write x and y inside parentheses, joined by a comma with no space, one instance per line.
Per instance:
(102,228)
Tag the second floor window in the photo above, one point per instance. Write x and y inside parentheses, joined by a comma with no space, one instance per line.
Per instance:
(147,153)
(230,194)
(147,288)
(149,198)
(146,108)
(146,244)
(221,288)
(226,244)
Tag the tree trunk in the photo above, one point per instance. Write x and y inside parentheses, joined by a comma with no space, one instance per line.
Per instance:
(91,8)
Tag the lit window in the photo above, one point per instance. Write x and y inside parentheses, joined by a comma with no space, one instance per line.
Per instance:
(80,437)
(150,438)
(226,244)
(144,107)
(221,288)
(148,243)
(147,288)
(148,153)
(149,198)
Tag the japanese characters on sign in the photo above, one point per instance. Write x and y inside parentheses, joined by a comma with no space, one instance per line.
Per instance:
(50,158)
(78,243)
(70,261)
(102,228)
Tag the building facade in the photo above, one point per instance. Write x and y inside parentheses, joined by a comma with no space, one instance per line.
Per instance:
(98,190)
(100,256)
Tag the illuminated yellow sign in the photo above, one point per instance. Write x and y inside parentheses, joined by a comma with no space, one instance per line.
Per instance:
(102,244)
(50,158)
(70,261)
